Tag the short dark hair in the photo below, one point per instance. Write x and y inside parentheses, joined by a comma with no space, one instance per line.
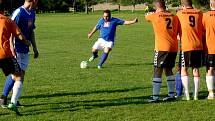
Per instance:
(161,2)
(187,2)
(107,11)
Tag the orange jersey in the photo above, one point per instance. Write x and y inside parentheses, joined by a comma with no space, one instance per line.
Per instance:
(7,27)
(191,29)
(209,26)
(165,26)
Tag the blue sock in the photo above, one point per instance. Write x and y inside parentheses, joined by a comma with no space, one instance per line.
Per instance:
(8,85)
(103,59)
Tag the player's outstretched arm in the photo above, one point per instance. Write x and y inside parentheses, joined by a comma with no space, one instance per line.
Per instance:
(34,45)
(131,22)
(23,39)
(92,32)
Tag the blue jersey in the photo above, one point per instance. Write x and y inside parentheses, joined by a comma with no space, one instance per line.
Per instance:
(108,29)
(25,20)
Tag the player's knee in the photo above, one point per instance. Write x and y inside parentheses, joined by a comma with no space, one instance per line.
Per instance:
(158,72)
(184,71)
(209,73)
(94,50)
(17,76)
(107,50)
(168,71)
(196,72)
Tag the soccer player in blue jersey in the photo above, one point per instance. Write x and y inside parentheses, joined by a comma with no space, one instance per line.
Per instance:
(24,17)
(107,26)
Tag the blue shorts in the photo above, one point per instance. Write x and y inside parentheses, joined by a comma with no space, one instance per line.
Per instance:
(23,60)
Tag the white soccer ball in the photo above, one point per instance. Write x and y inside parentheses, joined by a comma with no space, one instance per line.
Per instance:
(84,64)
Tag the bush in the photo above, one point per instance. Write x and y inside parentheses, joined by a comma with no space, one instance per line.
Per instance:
(175,4)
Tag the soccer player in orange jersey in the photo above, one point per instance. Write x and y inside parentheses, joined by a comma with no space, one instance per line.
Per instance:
(191,45)
(8,63)
(24,17)
(165,26)
(209,27)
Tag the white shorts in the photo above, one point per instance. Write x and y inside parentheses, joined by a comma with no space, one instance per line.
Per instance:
(23,60)
(101,44)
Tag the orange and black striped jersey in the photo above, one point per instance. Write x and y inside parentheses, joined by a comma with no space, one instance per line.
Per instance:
(191,29)
(166,26)
(209,26)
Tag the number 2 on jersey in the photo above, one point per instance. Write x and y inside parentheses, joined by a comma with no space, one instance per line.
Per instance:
(169,23)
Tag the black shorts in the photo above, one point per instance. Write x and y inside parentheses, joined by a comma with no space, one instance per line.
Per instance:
(204,59)
(10,66)
(163,59)
(210,60)
(192,59)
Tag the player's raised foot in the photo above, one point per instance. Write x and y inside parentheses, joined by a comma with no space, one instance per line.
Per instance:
(153,99)
(14,108)
(169,98)
(3,101)
(186,98)
(99,67)
(92,58)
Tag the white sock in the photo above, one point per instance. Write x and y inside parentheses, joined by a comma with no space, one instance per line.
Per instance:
(171,85)
(186,85)
(214,81)
(210,83)
(17,88)
(196,83)
(20,91)
(156,86)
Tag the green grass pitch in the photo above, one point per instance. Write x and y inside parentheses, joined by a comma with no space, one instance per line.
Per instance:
(55,87)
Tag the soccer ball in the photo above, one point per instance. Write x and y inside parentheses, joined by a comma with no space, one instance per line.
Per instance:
(84,64)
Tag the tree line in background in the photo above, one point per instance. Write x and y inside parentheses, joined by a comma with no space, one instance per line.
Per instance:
(80,5)
(85,5)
